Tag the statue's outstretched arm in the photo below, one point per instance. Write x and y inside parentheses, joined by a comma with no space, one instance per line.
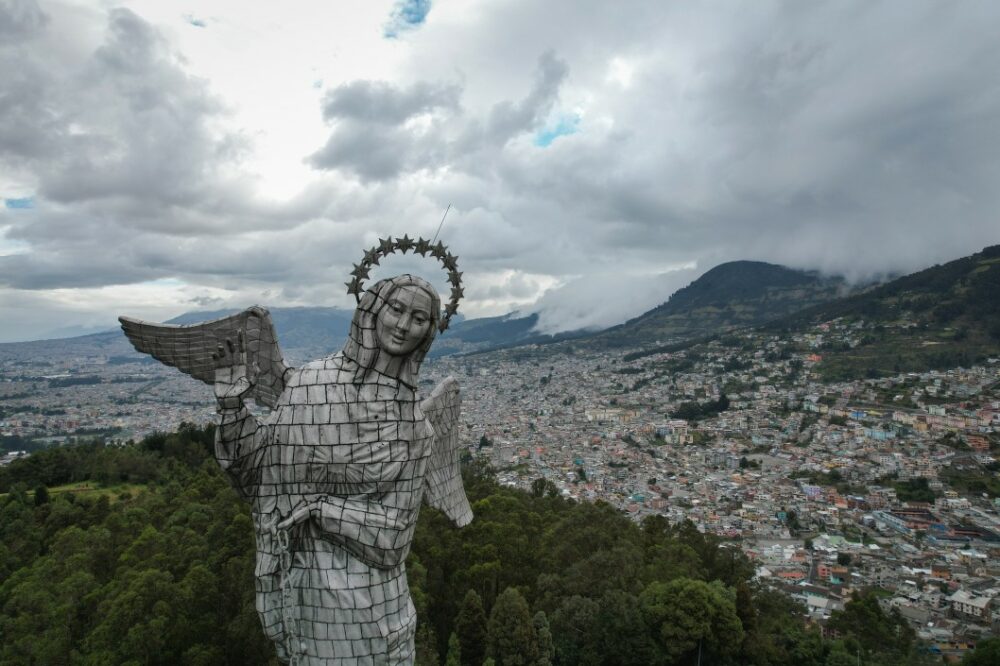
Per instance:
(239,438)
(190,348)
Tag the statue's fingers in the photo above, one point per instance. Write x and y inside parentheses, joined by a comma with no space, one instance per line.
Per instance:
(243,346)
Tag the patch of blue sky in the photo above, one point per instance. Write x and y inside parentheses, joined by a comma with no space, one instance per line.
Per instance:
(563,125)
(23,203)
(191,19)
(165,282)
(406,15)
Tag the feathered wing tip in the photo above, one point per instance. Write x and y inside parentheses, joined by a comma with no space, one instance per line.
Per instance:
(443,488)
(189,348)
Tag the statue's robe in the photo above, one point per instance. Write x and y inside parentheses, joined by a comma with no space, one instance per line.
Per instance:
(359,449)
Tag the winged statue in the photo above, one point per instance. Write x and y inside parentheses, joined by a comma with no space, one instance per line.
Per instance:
(336,472)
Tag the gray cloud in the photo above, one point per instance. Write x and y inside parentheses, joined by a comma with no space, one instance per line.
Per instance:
(854,138)
(382,102)
(507,119)
(19,19)
(372,140)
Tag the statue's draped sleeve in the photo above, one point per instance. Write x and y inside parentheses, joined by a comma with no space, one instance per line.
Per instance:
(378,534)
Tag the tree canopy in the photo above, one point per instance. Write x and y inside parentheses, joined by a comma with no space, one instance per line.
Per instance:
(165,576)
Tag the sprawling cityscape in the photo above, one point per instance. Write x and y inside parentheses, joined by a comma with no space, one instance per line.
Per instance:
(888,483)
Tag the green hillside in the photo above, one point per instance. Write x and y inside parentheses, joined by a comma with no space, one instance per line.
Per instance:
(941,317)
(165,576)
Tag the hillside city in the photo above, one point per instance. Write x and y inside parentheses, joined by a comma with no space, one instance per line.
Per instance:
(889,483)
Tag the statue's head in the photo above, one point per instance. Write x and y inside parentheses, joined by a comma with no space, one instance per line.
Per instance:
(397,319)
(394,326)
(405,319)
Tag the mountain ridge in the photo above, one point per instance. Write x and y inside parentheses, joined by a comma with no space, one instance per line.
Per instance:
(735,294)
(728,295)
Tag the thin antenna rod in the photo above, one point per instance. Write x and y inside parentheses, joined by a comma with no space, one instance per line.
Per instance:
(442,223)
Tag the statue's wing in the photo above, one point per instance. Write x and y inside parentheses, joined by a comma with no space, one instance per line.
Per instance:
(443,487)
(189,348)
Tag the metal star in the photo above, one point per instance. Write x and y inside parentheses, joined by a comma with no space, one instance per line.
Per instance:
(455,277)
(354,286)
(443,325)
(371,256)
(404,243)
(457,293)
(423,247)
(360,272)
(449,261)
(386,246)
(439,250)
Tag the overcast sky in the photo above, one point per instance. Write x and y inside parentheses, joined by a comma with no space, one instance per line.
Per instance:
(164,156)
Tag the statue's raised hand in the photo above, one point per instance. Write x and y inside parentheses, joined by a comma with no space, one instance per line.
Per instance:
(194,349)
(231,380)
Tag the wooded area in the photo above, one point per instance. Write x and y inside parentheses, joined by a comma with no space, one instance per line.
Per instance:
(164,576)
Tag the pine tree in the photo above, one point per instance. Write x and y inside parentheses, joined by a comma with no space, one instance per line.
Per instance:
(470,625)
(543,634)
(41,495)
(511,639)
(454,656)
(426,643)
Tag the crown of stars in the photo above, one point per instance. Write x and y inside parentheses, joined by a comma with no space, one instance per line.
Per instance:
(421,246)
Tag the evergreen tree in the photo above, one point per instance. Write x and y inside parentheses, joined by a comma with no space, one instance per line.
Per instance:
(575,631)
(426,646)
(748,619)
(41,495)
(454,656)
(543,634)
(511,639)
(470,625)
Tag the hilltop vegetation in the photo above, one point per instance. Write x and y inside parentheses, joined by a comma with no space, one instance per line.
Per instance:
(942,317)
(165,577)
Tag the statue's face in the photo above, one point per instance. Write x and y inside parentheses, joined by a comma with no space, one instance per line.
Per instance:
(404,321)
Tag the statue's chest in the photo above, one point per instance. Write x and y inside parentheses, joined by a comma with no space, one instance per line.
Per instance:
(350,433)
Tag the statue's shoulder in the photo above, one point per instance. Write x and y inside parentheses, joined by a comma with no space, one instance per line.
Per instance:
(321,371)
